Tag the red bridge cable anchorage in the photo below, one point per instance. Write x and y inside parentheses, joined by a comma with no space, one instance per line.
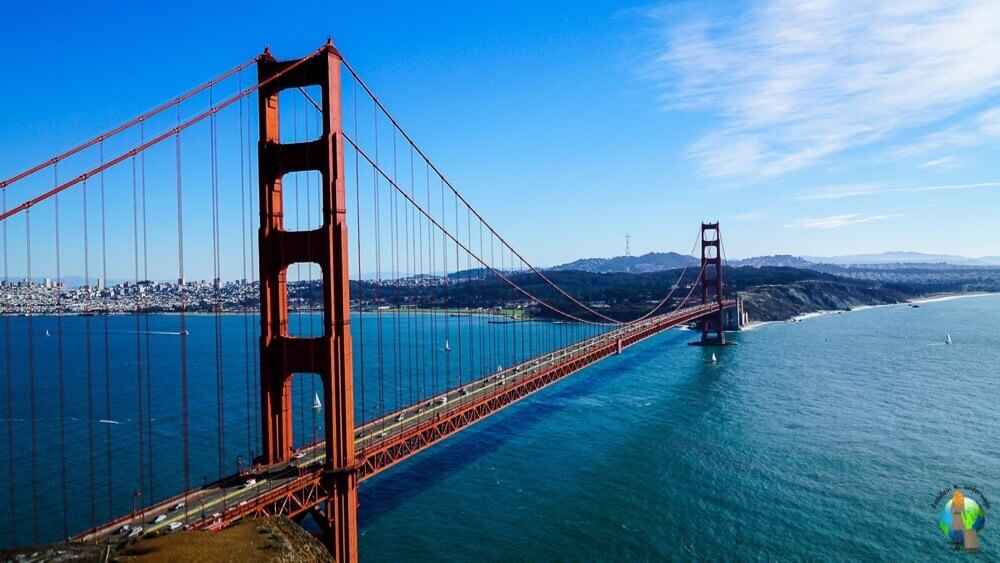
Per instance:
(181,126)
(127,125)
(449,235)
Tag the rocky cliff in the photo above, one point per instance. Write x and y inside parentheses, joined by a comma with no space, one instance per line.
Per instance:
(784,301)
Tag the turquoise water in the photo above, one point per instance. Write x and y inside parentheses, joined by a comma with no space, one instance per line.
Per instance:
(827,439)
(53,439)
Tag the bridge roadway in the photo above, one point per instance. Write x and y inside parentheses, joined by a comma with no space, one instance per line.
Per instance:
(294,487)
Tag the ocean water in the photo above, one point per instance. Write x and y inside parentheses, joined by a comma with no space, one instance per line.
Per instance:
(74,452)
(827,439)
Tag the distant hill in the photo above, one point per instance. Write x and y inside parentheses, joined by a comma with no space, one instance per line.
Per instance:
(778,261)
(901,257)
(661,261)
(652,262)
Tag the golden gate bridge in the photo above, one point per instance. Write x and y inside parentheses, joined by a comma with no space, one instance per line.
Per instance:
(390,340)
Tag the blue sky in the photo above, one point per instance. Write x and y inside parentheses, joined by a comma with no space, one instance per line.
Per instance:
(805,127)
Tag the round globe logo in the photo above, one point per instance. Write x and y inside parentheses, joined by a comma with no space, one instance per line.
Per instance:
(960,516)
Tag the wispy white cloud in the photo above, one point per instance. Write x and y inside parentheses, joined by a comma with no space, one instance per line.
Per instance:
(795,81)
(941,164)
(977,130)
(837,221)
(855,190)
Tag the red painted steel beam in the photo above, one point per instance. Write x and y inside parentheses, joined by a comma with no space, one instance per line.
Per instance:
(329,355)
(291,499)
(309,489)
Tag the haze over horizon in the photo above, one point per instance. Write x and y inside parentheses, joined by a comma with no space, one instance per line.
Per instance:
(804,128)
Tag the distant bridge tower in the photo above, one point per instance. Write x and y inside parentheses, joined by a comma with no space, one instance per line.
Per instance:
(713,325)
(329,355)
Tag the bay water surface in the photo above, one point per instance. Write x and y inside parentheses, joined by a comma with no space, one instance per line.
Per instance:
(826,439)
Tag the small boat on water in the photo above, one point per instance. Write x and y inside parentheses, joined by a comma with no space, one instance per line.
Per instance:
(714,359)
(316,402)
(947,339)
(185,332)
(447,346)
(47,333)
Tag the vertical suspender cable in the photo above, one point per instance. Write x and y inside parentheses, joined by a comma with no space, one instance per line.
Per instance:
(309,266)
(31,379)
(9,372)
(459,284)
(394,219)
(394,214)
(447,296)
(361,285)
(107,342)
(60,364)
(217,284)
(431,263)
(411,269)
(254,342)
(138,330)
(243,286)
(148,496)
(302,290)
(378,280)
(185,439)
(90,356)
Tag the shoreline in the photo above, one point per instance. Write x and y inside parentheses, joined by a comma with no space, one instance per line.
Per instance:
(931,298)
(936,297)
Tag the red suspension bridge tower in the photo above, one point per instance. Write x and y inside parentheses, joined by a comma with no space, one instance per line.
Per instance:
(329,355)
(712,325)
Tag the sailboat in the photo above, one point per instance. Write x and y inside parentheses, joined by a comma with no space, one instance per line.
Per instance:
(447,347)
(316,403)
(947,339)
(714,359)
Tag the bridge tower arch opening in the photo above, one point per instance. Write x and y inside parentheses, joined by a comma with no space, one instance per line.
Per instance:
(329,354)
(713,325)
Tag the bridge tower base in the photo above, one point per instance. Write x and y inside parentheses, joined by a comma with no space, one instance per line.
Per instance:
(329,355)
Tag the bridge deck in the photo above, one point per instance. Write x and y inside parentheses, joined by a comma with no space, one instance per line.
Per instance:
(293,488)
